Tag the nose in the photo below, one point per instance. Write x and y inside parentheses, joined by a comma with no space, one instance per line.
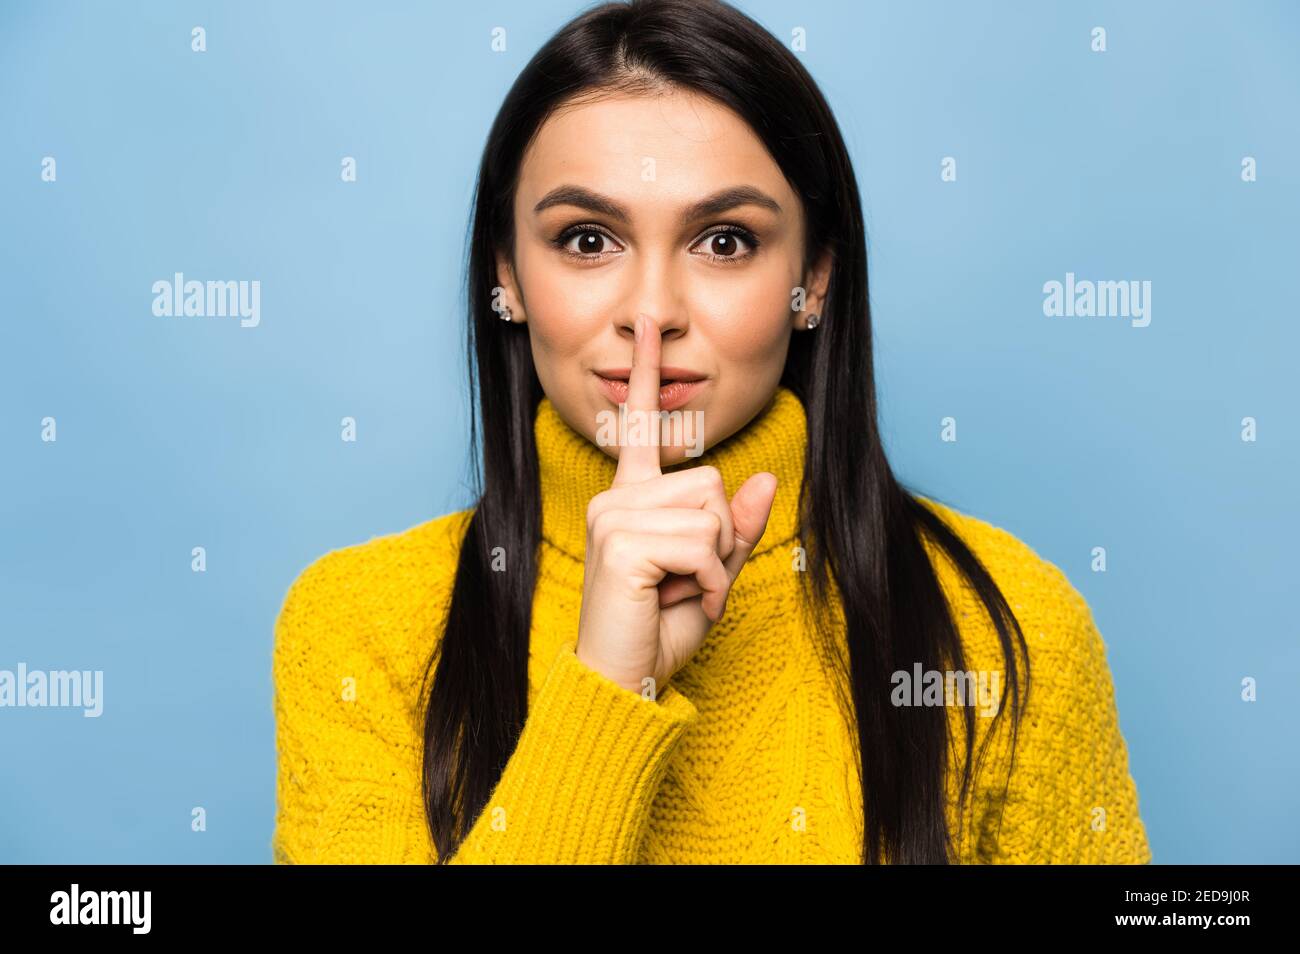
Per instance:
(656,292)
(671,324)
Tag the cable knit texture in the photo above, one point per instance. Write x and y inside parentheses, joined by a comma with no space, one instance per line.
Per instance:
(743,758)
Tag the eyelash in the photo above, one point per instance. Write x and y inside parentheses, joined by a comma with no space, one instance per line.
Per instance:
(561,240)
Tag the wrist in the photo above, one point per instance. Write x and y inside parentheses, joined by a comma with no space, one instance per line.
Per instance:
(614,674)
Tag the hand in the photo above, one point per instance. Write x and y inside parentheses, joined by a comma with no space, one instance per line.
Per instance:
(649,526)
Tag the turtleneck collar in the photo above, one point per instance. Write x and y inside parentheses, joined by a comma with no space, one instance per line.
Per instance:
(573,470)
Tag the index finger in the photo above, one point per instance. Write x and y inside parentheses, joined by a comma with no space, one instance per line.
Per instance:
(638,458)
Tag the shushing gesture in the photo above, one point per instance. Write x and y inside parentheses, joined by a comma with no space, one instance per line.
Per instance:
(652,537)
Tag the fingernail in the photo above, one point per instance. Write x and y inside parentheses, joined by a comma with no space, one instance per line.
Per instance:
(639,319)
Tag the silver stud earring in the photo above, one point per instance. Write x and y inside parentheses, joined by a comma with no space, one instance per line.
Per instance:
(813,321)
(505,314)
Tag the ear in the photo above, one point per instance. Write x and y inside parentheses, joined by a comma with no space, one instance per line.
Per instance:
(816,283)
(509,297)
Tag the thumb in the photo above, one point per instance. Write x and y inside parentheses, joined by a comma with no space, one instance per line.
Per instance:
(750,509)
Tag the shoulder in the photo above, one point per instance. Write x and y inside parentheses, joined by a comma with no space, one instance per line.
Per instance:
(1072,703)
(422,555)
(1053,615)
(378,602)
(1070,759)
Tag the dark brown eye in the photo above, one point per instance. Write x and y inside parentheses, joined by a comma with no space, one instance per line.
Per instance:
(590,242)
(729,246)
(724,243)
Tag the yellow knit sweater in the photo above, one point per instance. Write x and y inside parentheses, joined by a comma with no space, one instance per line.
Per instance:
(743,758)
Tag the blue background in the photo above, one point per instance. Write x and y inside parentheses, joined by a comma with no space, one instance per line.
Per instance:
(174,433)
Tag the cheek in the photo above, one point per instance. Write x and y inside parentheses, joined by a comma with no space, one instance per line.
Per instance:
(563,310)
(749,321)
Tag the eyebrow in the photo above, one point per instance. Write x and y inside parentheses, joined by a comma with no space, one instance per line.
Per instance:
(721,201)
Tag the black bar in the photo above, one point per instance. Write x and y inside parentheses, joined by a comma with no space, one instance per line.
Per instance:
(960,904)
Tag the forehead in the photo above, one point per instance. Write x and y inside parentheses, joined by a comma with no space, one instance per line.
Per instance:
(651,147)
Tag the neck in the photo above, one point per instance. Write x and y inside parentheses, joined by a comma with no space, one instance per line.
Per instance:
(573,470)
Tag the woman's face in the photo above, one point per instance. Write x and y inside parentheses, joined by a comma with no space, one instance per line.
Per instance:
(609,225)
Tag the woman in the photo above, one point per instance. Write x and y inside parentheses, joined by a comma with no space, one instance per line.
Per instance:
(576,669)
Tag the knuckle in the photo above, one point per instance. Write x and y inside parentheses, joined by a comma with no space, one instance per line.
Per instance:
(598,524)
(618,547)
(594,507)
(710,526)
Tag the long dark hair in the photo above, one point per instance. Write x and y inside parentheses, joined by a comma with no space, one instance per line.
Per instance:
(858,524)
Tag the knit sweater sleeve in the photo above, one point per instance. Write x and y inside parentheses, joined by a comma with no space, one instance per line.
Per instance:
(1070,798)
(577,788)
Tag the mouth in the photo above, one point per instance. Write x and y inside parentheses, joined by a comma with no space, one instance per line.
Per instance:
(677,386)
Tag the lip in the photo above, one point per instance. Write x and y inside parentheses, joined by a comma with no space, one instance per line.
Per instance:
(671,396)
(667,372)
